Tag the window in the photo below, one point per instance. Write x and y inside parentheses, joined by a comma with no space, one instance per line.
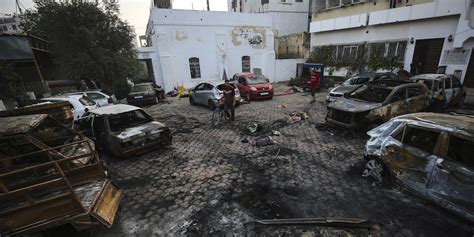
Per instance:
(245,63)
(86,101)
(194,68)
(5,28)
(299,1)
(447,83)
(242,81)
(461,150)
(129,119)
(456,82)
(208,87)
(95,96)
(200,87)
(420,138)
(399,95)
(14,27)
(414,91)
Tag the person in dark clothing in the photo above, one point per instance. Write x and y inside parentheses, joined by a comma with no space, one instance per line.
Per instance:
(229,99)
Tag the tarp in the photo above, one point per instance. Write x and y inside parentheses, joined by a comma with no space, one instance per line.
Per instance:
(13,47)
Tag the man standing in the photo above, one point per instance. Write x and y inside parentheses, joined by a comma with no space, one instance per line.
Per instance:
(314,84)
(229,99)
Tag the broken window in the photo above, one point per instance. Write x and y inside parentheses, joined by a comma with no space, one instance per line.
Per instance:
(129,119)
(245,63)
(194,67)
(421,138)
(447,83)
(461,150)
(333,3)
(399,95)
(456,82)
(371,94)
(414,91)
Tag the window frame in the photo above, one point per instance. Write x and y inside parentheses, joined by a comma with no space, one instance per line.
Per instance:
(195,68)
(246,62)
(450,136)
(421,128)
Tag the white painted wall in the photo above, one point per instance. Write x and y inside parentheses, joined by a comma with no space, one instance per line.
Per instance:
(438,19)
(218,39)
(286,69)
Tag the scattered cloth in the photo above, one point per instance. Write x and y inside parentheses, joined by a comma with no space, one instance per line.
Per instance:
(261,141)
(297,116)
(298,89)
(282,106)
(276,133)
(254,127)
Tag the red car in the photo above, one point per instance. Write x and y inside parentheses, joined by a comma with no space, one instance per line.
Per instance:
(253,86)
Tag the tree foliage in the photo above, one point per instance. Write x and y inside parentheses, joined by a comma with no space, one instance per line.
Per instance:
(88,42)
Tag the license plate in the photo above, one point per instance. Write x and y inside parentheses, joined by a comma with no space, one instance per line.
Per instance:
(265,93)
(138,97)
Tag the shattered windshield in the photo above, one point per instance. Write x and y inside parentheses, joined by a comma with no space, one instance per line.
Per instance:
(128,119)
(256,80)
(142,88)
(371,94)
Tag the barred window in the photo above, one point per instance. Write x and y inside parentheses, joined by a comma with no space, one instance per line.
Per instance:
(194,68)
(245,63)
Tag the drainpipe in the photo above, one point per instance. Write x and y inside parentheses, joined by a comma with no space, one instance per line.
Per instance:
(208,7)
(310,14)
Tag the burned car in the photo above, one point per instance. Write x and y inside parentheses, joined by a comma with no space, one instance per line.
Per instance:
(430,154)
(124,130)
(51,175)
(373,103)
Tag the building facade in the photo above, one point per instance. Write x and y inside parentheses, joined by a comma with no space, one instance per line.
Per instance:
(189,47)
(10,24)
(288,16)
(424,36)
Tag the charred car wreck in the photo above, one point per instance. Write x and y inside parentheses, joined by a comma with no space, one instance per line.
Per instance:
(374,103)
(124,130)
(430,154)
(51,175)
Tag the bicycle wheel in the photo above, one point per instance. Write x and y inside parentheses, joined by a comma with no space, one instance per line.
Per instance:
(216,117)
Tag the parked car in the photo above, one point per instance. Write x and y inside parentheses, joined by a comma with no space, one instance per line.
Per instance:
(80,103)
(354,81)
(124,130)
(208,94)
(373,103)
(101,98)
(144,94)
(253,86)
(445,90)
(430,154)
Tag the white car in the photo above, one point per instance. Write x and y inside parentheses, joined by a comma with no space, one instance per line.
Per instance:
(100,97)
(80,103)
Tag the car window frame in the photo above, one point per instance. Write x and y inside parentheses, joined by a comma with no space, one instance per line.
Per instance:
(422,128)
(459,136)
(390,96)
(197,87)
(450,82)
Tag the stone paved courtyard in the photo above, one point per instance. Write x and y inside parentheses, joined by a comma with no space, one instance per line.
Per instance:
(210,183)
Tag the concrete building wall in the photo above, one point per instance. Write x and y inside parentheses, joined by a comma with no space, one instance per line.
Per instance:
(218,39)
(292,46)
(444,19)
(286,69)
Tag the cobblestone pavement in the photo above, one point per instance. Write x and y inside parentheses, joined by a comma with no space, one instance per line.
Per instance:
(210,183)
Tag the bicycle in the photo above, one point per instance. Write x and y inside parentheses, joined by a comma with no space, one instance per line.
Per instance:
(219,113)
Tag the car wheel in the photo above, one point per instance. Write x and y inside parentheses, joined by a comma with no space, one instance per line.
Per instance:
(377,170)
(211,105)
(191,101)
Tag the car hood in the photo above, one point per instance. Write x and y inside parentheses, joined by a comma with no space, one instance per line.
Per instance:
(353,106)
(143,130)
(343,89)
(263,85)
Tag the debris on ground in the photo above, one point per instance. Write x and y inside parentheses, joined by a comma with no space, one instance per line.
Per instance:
(297,89)
(261,141)
(282,106)
(374,171)
(276,133)
(254,127)
(172,93)
(297,116)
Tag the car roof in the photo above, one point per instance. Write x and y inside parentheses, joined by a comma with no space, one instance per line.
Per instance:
(432,77)
(461,122)
(144,83)
(114,109)
(247,74)
(371,74)
(389,84)
(64,97)
(20,124)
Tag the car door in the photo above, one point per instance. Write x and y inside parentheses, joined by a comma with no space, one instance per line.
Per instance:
(197,94)
(413,167)
(453,175)
(417,98)
(448,89)
(242,86)
(396,103)
(100,99)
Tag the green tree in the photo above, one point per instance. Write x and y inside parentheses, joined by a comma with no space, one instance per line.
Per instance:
(89,42)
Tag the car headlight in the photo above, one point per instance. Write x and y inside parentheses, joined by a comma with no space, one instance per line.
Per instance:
(253,88)
(270,87)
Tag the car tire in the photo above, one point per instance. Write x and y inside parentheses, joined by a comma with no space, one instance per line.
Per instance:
(378,171)
(191,101)
(211,105)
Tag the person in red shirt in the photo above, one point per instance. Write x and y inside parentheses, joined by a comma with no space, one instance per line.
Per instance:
(229,99)
(314,84)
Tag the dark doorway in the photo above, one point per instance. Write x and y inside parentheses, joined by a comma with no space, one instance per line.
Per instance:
(146,73)
(469,78)
(426,56)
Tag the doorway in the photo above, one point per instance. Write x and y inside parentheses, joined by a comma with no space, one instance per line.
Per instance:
(469,78)
(426,56)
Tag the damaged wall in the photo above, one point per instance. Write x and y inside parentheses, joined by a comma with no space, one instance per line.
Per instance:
(292,46)
(218,39)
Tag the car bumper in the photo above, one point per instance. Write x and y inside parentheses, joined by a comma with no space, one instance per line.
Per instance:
(263,94)
(144,101)
(164,139)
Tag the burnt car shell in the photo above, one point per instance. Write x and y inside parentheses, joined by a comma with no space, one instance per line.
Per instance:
(377,102)
(442,172)
(111,129)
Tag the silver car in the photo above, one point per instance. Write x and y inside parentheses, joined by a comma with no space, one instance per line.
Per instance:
(209,93)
